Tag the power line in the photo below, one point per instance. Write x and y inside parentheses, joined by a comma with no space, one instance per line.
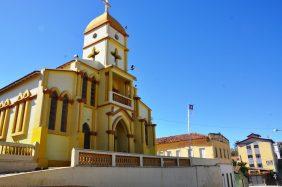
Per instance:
(215,126)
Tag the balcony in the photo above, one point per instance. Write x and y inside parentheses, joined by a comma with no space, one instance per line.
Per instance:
(122,100)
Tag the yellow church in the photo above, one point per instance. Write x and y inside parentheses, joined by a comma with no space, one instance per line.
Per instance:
(88,102)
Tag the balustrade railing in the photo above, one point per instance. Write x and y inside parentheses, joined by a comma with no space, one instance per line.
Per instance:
(127,161)
(16,149)
(91,158)
(88,159)
(121,99)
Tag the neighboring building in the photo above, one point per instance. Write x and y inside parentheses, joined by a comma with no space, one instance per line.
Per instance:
(278,149)
(89,102)
(195,145)
(278,152)
(258,153)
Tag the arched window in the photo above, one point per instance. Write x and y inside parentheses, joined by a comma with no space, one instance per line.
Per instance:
(53,111)
(93,90)
(64,119)
(84,86)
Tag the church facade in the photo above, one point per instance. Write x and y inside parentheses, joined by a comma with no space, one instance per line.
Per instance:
(88,103)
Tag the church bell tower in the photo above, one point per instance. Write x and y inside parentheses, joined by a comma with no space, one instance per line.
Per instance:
(105,41)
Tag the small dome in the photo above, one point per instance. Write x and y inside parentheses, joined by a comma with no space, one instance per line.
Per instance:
(104,19)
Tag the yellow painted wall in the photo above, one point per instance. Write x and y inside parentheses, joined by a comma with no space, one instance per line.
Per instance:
(208,146)
(58,147)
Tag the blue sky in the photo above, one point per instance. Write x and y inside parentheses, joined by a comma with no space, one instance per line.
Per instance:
(223,56)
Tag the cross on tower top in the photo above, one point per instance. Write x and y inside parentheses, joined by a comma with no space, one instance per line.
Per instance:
(93,54)
(116,55)
(107,5)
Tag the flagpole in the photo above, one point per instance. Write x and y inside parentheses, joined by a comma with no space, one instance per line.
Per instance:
(190,108)
(190,139)
(188,120)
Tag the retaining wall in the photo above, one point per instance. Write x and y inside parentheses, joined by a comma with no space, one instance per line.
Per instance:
(196,176)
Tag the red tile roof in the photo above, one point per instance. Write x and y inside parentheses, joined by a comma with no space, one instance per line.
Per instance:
(180,138)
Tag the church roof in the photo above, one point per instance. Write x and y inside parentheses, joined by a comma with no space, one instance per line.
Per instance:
(105,18)
(15,83)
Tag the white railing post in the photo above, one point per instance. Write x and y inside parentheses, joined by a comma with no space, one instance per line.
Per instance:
(178,162)
(162,162)
(74,158)
(111,96)
(141,161)
(113,160)
(35,153)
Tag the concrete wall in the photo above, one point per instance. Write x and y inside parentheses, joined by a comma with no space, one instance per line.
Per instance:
(106,177)
(8,166)
(227,175)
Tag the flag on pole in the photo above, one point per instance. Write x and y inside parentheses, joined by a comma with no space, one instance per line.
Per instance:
(191,107)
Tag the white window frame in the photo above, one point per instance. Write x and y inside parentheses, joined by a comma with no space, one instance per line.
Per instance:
(178,153)
(168,153)
(190,152)
(202,154)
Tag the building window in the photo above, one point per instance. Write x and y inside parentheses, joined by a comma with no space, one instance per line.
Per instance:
(168,153)
(224,153)
(250,156)
(249,147)
(256,146)
(116,37)
(190,152)
(84,87)
(215,151)
(64,119)
(53,111)
(178,153)
(93,90)
(202,152)
(259,165)
(220,153)
(257,155)
(252,165)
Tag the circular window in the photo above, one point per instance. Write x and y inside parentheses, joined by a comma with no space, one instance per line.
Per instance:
(95,35)
(116,37)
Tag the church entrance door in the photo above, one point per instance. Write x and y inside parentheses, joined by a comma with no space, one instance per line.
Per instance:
(86,131)
(121,139)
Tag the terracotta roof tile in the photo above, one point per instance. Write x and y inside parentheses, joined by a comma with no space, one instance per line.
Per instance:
(179,138)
